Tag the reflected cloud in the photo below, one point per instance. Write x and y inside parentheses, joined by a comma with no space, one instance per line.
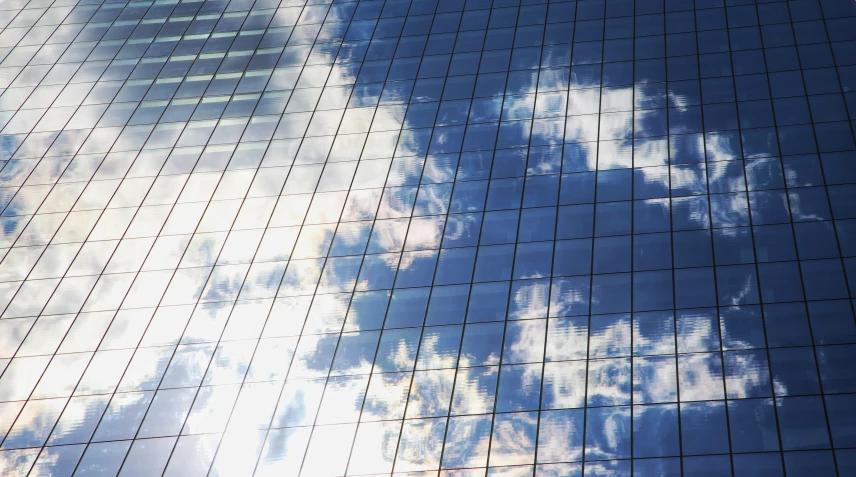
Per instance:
(354,193)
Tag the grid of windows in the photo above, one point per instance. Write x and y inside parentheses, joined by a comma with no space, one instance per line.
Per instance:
(427,238)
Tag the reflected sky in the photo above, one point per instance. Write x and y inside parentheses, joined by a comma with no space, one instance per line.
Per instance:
(421,238)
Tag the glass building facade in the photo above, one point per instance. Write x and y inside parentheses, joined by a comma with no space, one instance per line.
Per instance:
(427,238)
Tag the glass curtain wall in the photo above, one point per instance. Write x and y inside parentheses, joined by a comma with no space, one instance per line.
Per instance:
(427,238)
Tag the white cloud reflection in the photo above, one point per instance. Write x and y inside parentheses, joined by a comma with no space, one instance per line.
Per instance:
(597,128)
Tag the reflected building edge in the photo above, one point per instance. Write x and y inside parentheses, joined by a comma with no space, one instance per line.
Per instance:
(427,238)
